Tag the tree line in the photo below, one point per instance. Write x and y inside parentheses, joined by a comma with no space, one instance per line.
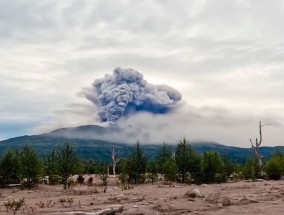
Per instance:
(184,165)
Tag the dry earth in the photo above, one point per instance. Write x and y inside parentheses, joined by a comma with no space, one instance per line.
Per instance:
(261,197)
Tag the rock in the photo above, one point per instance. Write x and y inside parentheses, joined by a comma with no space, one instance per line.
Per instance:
(110,189)
(163,207)
(135,206)
(194,193)
(219,205)
(226,201)
(245,201)
(213,197)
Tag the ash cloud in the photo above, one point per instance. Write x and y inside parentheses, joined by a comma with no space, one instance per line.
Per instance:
(126,92)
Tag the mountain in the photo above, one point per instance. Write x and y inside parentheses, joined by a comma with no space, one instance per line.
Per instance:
(87,141)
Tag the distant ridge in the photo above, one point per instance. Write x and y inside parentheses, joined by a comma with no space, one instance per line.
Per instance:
(83,132)
(89,145)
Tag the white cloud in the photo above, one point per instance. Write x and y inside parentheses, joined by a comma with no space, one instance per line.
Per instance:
(222,54)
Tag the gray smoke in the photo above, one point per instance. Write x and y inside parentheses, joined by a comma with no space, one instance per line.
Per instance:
(125,92)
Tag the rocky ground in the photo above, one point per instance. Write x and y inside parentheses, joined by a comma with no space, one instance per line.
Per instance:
(261,197)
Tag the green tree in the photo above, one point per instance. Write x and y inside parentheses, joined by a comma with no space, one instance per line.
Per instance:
(30,166)
(163,155)
(152,171)
(229,166)
(274,168)
(123,173)
(51,167)
(136,165)
(187,160)
(67,163)
(170,170)
(212,168)
(9,169)
(251,169)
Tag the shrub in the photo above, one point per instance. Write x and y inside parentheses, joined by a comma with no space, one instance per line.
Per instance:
(170,170)
(90,181)
(251,170)
(9,169)
(67,164)
(212,168)
(30,166)
(152,171)
(136,166)
(105,179)
(187,160)
(80,180)
(273,169)
(14,205)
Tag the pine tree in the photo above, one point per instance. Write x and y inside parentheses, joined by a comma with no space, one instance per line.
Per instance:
(30,166)
(51,168)
(9,169)
(163,155)
(67,163)
(212,168)
(187,160)
(136,165)
(170,170)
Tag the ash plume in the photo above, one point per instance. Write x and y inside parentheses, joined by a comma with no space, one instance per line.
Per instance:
(126,92)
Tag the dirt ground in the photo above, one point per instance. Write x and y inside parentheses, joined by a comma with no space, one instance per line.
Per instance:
(261,197)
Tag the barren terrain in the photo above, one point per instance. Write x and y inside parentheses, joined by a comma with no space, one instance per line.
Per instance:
(260,197)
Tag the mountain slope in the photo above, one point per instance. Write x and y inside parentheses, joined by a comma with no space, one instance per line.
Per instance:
(100,150)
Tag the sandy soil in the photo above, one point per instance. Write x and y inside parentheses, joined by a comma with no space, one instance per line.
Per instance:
(262,197)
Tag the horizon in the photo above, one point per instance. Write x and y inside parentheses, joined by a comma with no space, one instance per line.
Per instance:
(224,70)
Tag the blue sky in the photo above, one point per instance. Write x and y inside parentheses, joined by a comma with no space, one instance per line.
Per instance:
(225,57)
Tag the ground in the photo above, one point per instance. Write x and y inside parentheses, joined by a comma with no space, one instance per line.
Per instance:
(244,197)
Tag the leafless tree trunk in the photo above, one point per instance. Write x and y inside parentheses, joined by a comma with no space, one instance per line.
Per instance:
(256,146)
(115,159)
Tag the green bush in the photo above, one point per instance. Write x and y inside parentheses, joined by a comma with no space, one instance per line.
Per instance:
(67,164)
(80,179)
(274,169)
(251,170)
(170,170)
(30,166)
(212,168)
(187,160)
(10,169)
(152,171)
(136,166)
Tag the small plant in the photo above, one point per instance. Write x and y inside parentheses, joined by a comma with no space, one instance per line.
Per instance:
(54,179)
(80,180)
(105,179)
(90,181)
(273,169)
(70,183)
(66,200)
(14,205)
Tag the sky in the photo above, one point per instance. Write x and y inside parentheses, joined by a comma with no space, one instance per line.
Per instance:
(226,58)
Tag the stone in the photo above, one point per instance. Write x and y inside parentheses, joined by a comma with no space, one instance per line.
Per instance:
(194,193)
(219,205)
(226,201)
(213,197)
(110,189)
(163,207)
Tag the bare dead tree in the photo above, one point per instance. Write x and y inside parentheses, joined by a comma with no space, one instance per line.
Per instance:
(115,159)
(257,145)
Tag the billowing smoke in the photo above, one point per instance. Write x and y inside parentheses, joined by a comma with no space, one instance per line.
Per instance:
(126,92)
